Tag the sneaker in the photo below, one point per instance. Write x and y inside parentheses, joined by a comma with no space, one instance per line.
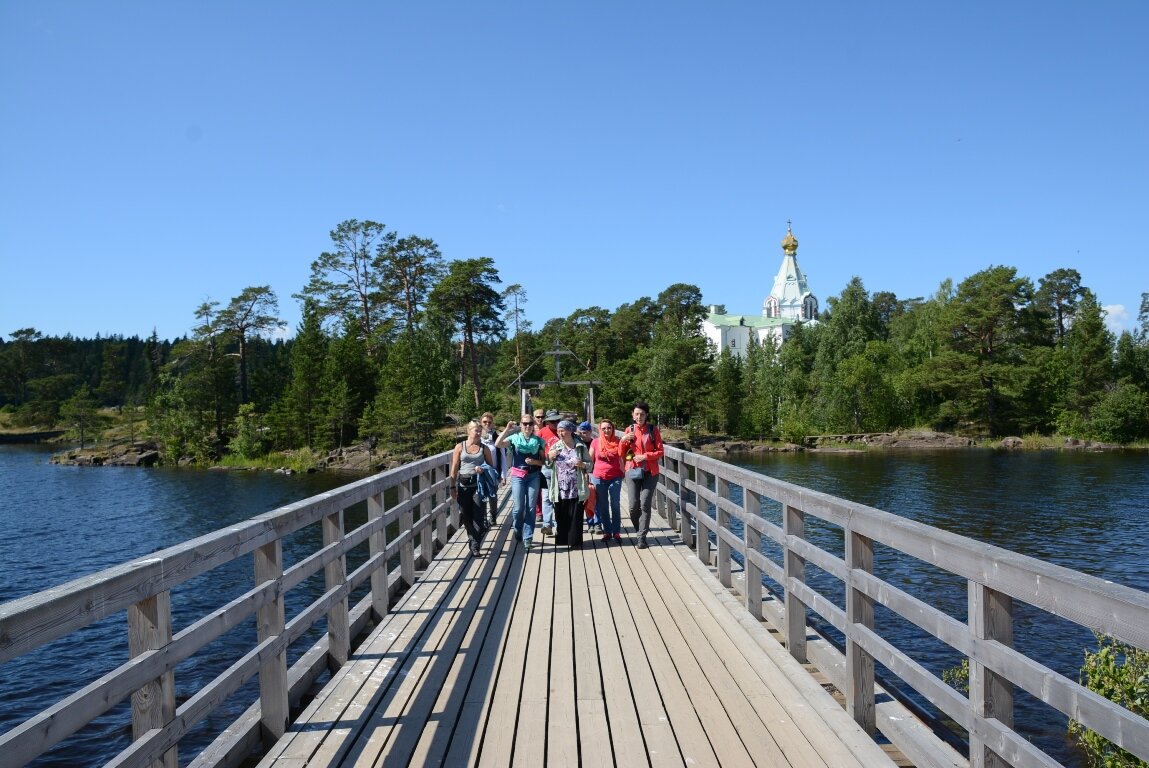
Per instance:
(548,530)
(642,544)
(475,551)
(606,537)
(618,537)
(526,546)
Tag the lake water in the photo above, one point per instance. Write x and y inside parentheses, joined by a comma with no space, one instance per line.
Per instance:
(1089,512)
(1085,511)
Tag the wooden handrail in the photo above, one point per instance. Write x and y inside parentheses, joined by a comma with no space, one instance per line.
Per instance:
(409,533)
(695,495)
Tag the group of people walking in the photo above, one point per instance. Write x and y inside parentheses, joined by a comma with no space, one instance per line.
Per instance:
(554,466)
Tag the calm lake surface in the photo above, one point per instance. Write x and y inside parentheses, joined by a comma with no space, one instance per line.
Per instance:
(1089,512)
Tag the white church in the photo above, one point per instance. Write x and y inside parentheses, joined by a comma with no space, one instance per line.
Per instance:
(789,303)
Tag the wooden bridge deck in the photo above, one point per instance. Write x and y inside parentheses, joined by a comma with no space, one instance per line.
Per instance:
(608,655)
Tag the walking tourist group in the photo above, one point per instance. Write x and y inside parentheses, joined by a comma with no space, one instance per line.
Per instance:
(563,478)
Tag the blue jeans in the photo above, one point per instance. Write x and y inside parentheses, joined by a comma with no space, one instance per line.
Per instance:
(608,492)
(548,505)
(524,494)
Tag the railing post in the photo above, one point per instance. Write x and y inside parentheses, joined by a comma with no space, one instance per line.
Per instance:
(442,532)
(380,577)
(702,538)
(752,505)
(684,529)
(794,571)
(334,576)
(990,695)
(859,610)
(722,520)
(406,524)
(426,508)
(270,623)
(153,705)
(669,507)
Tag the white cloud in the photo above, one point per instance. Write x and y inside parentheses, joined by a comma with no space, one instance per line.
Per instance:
(1117,319)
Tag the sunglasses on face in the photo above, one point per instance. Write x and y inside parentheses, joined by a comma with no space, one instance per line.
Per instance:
(526,423)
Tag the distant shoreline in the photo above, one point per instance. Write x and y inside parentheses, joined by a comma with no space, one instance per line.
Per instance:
(29,437)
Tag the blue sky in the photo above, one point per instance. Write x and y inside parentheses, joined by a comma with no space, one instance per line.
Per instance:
(157,155)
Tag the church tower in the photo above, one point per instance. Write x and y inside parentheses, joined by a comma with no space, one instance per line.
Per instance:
(790,298)
(789,303)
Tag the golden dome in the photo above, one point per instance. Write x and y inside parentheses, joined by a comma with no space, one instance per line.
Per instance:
(789,243)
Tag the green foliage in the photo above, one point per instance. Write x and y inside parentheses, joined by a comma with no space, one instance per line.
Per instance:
(958,677)
(81,414)
(249,440)
(1122,416)
(1120,673)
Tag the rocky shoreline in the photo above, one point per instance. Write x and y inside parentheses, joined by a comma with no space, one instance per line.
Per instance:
(902,439)
(361,458)
(355,459)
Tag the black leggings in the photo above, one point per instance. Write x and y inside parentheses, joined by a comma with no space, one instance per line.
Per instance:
(470,513)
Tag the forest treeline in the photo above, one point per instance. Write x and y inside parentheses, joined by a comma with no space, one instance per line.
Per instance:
(395,340)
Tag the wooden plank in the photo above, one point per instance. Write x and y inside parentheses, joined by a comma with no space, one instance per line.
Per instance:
(647,654)
(562,714)
(625,731)
(787,678)
(531,733)
(736,734)
(593,728)
(398,716)
(472,670)
(502,713)
(346,701)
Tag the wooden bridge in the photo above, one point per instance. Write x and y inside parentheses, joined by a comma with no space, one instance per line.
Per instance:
(606,655)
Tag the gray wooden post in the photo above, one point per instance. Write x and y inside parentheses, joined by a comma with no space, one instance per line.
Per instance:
(794,571)
(990,695)
(722,490)
(334,576)
(752,505)
(426,508)
(702,538)
(670,505)
(270,623)
(406,523)
(380,578)
(684,508)
(859,610)
(442,533)
(154,704)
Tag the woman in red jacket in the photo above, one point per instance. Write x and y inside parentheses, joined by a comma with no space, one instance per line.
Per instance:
(642,446)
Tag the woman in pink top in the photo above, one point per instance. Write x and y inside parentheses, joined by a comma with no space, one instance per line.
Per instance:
(605,451)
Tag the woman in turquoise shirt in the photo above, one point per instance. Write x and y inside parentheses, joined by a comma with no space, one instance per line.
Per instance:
(526,463)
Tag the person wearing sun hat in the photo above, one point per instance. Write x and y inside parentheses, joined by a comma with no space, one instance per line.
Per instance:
(570,460)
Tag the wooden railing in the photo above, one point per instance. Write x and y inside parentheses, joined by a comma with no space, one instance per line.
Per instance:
(417,524)
(727,529)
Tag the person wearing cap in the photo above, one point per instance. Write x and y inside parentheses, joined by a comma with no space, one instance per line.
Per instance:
(586,437)
(549,437)
(569,460)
